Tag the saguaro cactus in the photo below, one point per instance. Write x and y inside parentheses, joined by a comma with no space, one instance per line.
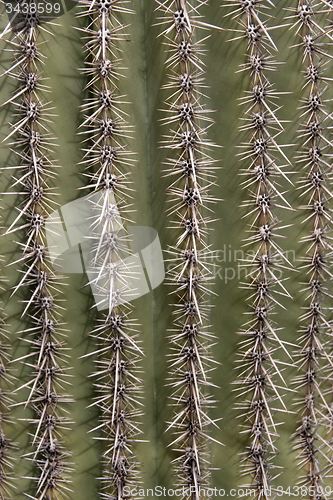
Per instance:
(310,24)
(119,352)
(6,466)
(165,410)
(32,144)
(261,374)
(192,172)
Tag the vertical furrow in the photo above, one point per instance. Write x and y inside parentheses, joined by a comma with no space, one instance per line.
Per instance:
(6,383)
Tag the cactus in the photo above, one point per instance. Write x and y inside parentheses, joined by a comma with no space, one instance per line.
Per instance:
(119,353)
(192,176)
(315,363)
(32,143)
(6,483)
(243,226)
(261,369)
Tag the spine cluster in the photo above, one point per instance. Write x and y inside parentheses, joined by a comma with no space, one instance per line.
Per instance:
(110,266)
(190,167)
(260,377)
(314,439)
(31,143)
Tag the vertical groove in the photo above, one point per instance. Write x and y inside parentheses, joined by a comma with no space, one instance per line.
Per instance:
(314,357)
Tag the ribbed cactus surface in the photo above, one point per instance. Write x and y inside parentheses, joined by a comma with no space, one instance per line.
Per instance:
(210,123)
